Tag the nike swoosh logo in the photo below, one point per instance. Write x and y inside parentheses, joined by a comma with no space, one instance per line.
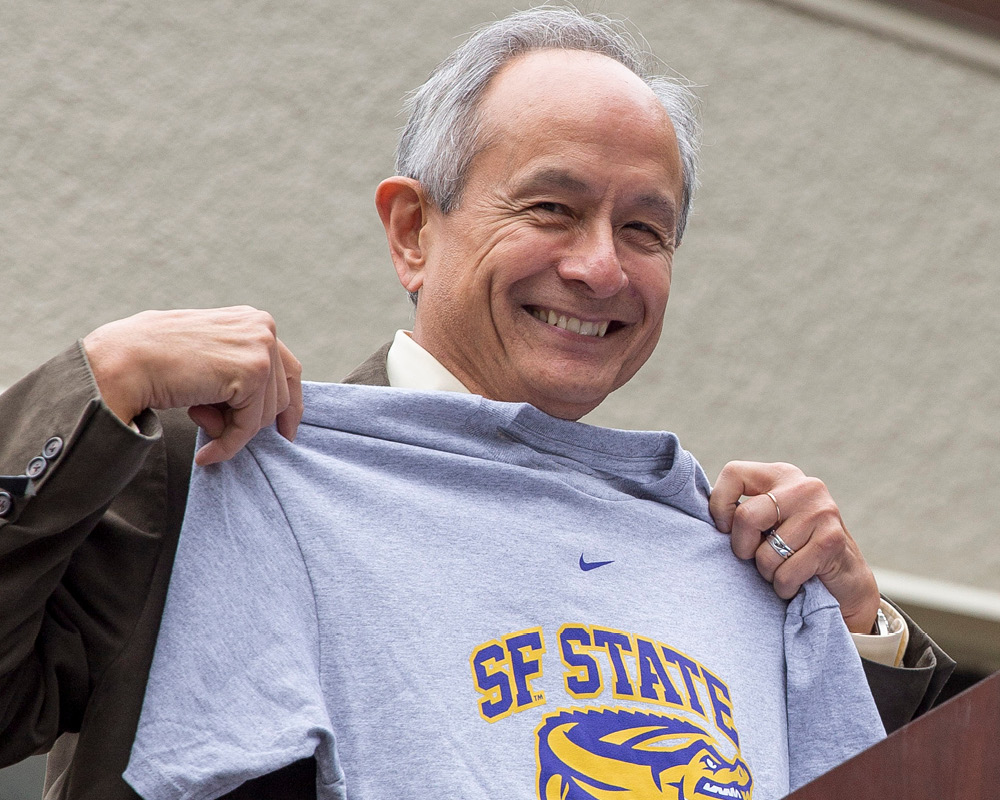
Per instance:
(587,566)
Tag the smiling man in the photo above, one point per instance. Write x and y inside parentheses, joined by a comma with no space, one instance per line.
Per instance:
(548,282)
(545,179)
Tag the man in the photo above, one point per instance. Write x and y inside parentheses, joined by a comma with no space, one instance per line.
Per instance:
(542,270)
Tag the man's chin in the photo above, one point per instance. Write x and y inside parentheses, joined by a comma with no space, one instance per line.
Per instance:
(560,388)
(568,400)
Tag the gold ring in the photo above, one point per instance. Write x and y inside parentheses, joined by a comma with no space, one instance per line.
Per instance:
(776,509)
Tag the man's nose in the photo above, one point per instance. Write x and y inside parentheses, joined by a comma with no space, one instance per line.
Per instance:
(595,263)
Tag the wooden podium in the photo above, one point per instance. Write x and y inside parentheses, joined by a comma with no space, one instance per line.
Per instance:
(951,752)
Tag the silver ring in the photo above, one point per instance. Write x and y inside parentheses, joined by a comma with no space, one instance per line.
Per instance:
(779,546)
(777,510)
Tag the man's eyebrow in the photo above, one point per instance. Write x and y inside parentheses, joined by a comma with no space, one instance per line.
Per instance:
(546,179)
(661,205)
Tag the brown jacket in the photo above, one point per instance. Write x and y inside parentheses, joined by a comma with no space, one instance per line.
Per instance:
(85,558)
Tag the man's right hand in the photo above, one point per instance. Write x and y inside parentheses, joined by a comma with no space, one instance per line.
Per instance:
(226,365)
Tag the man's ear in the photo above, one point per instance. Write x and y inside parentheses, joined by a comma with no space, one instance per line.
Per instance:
(403,207)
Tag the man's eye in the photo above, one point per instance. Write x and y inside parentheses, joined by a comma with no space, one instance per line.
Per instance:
(649,234)
(642,226)
(552,208)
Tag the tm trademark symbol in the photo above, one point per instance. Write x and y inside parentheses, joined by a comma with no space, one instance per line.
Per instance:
(537,696)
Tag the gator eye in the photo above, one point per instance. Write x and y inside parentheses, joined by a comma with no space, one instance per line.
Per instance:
(711,763)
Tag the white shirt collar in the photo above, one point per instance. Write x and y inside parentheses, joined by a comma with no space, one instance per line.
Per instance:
(411,367)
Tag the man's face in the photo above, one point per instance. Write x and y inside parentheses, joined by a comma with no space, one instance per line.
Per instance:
(548,283)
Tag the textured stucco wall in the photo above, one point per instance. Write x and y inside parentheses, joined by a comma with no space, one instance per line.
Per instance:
(834,302)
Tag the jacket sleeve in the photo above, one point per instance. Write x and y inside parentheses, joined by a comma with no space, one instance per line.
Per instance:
(69,568)
(904,692)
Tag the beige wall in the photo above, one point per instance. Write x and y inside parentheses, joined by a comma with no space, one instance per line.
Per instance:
(835,301)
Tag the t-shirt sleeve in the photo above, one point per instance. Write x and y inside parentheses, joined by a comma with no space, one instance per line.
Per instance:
(234,690)
(831,713)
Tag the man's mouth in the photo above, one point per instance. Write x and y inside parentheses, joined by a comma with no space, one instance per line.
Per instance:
(572,324)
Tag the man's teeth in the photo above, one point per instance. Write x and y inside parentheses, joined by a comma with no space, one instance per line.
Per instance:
(572,324)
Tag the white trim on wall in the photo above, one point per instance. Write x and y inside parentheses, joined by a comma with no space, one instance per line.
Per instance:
(943,595)
(964,620)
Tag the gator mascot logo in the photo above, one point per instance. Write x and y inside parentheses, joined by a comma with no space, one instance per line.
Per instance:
(608,754)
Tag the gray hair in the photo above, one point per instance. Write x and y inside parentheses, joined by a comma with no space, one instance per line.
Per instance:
(441,136)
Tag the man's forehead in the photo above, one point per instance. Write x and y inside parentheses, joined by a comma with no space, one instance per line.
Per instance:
(555,62)
(573,95)
(554,77)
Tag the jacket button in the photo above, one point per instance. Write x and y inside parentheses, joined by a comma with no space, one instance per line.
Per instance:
(36,467)
(6,503)
(53,447)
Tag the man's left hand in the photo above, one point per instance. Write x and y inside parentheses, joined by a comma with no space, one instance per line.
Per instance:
(810,524)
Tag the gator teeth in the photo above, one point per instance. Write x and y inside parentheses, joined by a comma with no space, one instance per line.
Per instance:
(572,324)
(722,791)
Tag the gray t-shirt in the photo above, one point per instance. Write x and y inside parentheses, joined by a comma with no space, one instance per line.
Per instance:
(443,596)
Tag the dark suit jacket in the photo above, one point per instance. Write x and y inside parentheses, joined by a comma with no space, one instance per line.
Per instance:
(85,558)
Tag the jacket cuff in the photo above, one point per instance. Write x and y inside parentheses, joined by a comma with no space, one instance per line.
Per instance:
(904,692)
(50,417)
